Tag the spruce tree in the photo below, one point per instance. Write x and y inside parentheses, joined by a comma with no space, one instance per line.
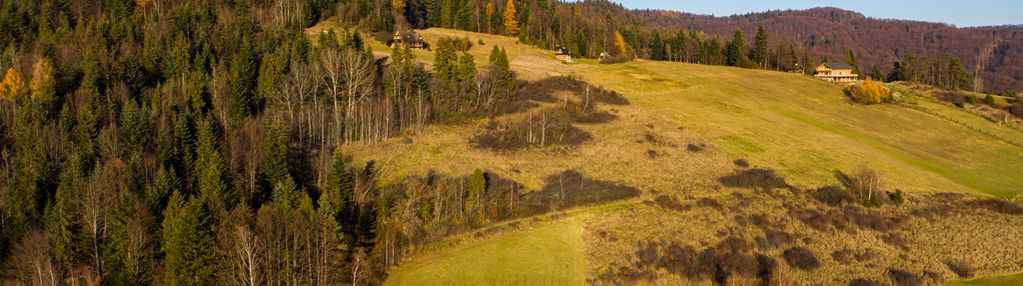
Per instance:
(340,185)
(850,58)
(445,62)
(186,243)
(657,47)
(759,55)
(958,78)
(275,151)
(209,165)
(736,51)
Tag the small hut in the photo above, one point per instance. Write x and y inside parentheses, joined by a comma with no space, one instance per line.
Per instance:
(563,55)
(409,39)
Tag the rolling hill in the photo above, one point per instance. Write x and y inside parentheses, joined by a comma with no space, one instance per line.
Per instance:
(676,141)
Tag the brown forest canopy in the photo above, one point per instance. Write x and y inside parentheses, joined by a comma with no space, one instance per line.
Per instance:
(995,53)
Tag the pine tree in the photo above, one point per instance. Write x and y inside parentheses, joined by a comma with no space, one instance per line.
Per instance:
(620,47)
(12,85)
(875,73)
(209,165)
(466,68)
(511,24)
(850,59)
(957,74)
(736,51)
(445,62)
(274,165)
(476,185)
(759,55)
(243,75)
(133,127)
(340,185)
(657,48)
(187,244)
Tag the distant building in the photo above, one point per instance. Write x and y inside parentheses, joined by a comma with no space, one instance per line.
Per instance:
(408,38)
(563,55)
(835,72)
(795,68)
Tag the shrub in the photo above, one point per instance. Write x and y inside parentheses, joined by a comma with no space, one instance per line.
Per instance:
(754,179)
(833,196)
(480,42)
(669,203)
(960,268)
(897,197)
(615,59)
(904,278)
(998,206)
(801,258)
(742,163)
(870,92)
(989,100)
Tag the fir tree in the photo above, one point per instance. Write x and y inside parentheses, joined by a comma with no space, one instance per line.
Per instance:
(736,51)
(657,48)
(445,62)
(186,243)
(209,165)
(759,55)
(850,58)
(958,78)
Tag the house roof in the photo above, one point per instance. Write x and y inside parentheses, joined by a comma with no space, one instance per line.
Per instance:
(838,65)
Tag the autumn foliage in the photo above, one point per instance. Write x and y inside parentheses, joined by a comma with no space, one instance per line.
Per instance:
(870,92)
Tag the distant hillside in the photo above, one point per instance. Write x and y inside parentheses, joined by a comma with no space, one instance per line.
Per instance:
(995,53)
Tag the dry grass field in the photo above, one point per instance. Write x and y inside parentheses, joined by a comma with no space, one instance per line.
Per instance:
(683,128)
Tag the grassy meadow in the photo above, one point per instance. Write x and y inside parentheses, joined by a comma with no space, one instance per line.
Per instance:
(803,128)
(545,254)
(806,129)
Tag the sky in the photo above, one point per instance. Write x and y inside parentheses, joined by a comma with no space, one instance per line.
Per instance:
(957,12)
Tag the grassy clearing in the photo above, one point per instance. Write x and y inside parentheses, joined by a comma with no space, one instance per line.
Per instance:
(1006,280)
(806,128)
(551,254)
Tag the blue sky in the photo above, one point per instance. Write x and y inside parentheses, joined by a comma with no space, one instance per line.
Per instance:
(957,12)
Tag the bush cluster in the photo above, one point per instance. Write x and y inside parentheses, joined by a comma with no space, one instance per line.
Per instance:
(870,92)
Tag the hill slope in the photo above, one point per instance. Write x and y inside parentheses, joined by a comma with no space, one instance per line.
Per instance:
(799,126)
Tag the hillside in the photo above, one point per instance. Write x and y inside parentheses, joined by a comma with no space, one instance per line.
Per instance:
(993,53)
(800,127)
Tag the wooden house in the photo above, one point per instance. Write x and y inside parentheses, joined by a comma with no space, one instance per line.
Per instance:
(410,39)
(835,72)
(795,68)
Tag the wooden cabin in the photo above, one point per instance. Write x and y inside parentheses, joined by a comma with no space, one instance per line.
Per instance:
(563,55)
(795,68)
(409,39)
(835,72)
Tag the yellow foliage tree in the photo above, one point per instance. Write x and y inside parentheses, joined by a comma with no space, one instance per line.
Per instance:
(511,24)
(489,10)
(42,86)
(620,47)
(870,92)
(11,85)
